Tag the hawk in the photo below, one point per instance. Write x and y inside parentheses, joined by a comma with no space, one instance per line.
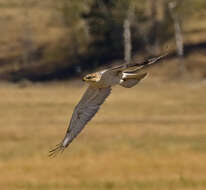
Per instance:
(100,84)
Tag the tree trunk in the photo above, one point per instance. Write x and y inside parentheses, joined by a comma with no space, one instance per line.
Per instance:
(127,35)
(178,37)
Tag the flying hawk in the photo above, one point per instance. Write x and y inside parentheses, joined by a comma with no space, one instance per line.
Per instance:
(100,83)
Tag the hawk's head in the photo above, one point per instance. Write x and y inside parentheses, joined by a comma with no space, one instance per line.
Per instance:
(91,78)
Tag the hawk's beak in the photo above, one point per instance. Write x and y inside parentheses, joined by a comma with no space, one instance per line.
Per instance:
(83,79)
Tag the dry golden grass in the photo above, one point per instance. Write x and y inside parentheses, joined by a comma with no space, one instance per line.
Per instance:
(151,137)
(195,28)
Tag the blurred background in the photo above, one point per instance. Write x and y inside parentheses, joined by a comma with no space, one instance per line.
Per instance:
(152,136)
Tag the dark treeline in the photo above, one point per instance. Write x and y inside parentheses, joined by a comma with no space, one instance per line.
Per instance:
(76,36)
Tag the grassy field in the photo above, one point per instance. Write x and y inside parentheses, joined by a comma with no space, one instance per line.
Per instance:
(151,137)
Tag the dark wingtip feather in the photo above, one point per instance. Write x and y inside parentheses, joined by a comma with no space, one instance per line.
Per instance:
(59,148)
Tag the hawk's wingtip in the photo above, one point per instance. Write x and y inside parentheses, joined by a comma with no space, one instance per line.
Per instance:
(59,148)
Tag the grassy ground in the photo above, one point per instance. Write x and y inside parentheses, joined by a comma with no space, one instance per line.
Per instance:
(151,137)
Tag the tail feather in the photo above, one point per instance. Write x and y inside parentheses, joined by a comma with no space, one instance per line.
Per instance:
(131,80)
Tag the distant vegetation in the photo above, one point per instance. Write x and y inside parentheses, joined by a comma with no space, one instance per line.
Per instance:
(43,40)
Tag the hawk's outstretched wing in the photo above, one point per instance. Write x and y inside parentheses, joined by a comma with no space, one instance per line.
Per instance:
(138,66)
(83,113)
